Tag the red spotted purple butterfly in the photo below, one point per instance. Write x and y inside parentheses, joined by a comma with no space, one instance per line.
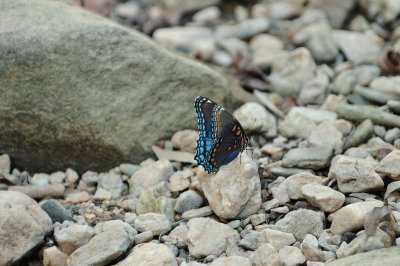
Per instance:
(221,137)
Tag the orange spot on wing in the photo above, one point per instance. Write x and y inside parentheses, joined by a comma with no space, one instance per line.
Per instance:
(234,127)
(238,133)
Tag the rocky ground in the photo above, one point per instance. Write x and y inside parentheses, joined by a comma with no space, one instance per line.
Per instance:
(321,187)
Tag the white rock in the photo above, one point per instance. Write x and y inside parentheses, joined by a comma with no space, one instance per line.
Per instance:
(231,260)
(150,254)
(327,134)
(149,176)
(71,236)
(291,256)
(112,183)
(295,182)
(5,164)
(154,222)
(389,165)
(235,190)
(54,257)
(323,197)
(208,14)
(40,179)
(23,226)
(201,231)
(276,238)
(265,255)
(355,174)
(351,217)
(102,248)
(254,117)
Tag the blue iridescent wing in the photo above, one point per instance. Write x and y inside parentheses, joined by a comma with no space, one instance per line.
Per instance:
(204,108)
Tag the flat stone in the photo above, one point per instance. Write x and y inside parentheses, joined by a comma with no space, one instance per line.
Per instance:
(387,85)
(358,113)
(77,197)
(231,260)
(24,226)
(311,158)
(38,192)
(150,254)
(323,197)
(385,256)
(328,135)
(235,190)
(389,165)
(351,217)
(197,213)
(355,174)
(102,249)
(144,237)
(294,184)
(300,223)
(360,135)
(277,239)
(154,222)
(201,230)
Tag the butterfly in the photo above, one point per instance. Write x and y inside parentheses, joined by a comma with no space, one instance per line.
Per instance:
(221,137)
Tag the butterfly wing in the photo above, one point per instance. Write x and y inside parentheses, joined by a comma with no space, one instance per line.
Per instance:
(229,137)
(204,109)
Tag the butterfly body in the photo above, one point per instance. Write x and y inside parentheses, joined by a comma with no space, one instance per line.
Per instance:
(221,137)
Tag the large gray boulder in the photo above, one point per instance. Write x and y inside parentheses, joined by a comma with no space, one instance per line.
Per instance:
(78,90)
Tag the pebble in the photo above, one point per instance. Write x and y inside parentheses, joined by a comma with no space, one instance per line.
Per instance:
(264,255)
(328,135)
(323,197)
(149,176)
(154,222)
(387,85)
(300,223)
(56,211)
(207,15)
(5,164)
(40,179)
(235,190)
(201,230)
(39,192)
(114,225)
(77,197)
(355,174)
(394,106)
(128,168)
(295,183)
(197,213)
(178,236)
(332,102)
(103,248)
(22,221)
(71,176)
(351,217)
(144,237)
(293,122)
(291,256)
(250,240)
(314,91)
(185,140)
(392,134)
(362,133)
(231,260)
(257,219)
(179,181)
(251,27)
(188,200)
(255,118)
(54,257)
(358,114)
(70,236)
(102,194)
(310,158)
(360,48)
(90,178)
(276,238)
(57,178)
(112,183)
(389,165)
